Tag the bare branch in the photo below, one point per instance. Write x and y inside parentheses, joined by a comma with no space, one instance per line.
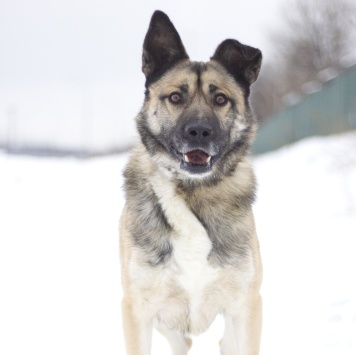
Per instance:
(317,34)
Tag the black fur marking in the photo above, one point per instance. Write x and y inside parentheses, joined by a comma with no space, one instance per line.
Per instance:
(184,88)
(212,88)
(198,68)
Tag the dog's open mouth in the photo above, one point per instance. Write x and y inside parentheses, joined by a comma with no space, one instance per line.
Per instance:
(196,161)
(197,157)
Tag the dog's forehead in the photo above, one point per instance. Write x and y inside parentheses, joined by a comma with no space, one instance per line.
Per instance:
(216,76)
(191,76)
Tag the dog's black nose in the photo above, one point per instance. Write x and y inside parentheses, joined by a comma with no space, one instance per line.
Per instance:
(198,132)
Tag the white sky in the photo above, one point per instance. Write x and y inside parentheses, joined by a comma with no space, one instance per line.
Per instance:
(89,41)
(70,70)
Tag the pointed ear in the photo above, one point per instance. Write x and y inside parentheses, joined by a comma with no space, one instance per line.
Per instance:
(162,47)
(243,62)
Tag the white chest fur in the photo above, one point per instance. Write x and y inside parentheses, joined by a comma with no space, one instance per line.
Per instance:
(191,246)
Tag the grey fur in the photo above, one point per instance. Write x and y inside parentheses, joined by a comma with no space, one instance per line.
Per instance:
(150,229)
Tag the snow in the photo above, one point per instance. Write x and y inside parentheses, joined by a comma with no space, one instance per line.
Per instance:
(59,261)
(306,223)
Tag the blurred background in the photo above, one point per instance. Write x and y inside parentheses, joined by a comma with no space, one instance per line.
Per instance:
(71,80)
(70,87)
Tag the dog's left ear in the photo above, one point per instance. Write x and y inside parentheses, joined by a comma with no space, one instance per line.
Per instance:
(162,47)
(243,62)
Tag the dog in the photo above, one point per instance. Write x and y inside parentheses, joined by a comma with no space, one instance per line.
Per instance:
(188,244)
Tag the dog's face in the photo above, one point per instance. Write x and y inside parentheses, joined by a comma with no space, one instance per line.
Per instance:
(196,121)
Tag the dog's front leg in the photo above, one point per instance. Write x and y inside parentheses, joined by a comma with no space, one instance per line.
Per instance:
(243,330)
(180,344)
(137,331)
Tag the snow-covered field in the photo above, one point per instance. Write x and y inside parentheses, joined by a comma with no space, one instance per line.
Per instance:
(59,261)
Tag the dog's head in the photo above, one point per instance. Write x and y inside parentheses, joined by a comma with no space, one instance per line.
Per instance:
(196,121)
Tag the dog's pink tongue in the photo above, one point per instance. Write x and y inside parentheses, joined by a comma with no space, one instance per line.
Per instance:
(197,157)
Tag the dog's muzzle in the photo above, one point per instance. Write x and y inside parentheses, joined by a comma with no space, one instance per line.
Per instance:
(196,148)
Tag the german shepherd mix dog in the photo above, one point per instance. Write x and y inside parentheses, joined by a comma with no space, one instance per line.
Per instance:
(189,249)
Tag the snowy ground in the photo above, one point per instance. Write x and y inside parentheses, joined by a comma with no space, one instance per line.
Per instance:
(59,266)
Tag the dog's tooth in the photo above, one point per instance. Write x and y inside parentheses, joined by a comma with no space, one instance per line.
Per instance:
(208,159)
(186,158)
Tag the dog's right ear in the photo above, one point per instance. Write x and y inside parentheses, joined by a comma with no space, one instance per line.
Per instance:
(162,47)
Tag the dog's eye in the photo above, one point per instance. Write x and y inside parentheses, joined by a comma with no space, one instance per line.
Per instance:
(220,99)
(175,98)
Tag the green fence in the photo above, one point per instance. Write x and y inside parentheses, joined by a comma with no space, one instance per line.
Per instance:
(328,111)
